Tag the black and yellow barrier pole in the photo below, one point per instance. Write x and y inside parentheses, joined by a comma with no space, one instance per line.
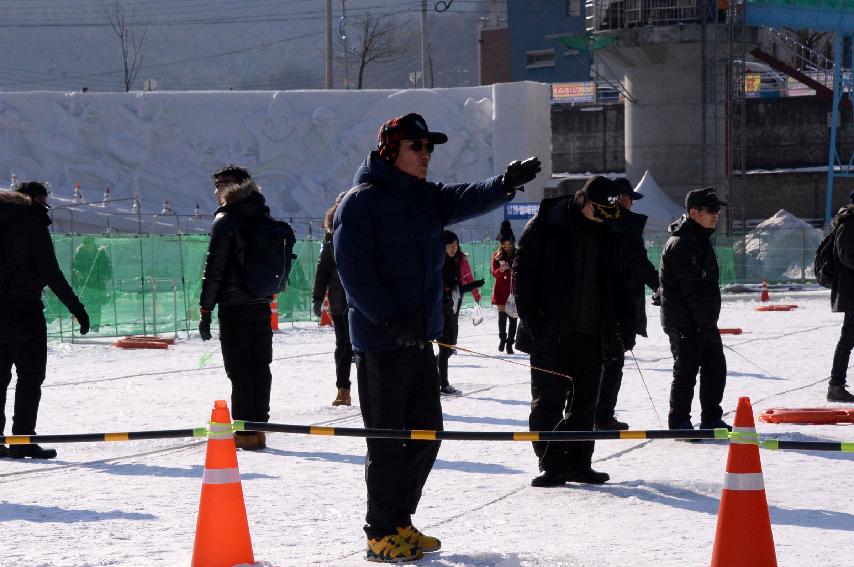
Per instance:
(101,437)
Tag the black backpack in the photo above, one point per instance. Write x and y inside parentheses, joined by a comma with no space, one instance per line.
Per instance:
(824,265)
(268,256)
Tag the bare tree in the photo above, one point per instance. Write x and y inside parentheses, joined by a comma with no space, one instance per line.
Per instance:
(132,39)
(376,39)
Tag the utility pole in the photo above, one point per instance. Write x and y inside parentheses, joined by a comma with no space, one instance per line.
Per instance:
(329,82)
(342,31)
(426,70)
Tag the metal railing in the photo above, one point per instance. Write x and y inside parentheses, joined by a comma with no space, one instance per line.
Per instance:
(602,15)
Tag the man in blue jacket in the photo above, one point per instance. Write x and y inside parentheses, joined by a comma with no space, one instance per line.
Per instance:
(390,252)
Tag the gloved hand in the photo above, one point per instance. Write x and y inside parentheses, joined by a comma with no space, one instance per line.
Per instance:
(518,173)
(317,307)
(656,297)
(401,335)
(205,324)
(472,285)
(82,317)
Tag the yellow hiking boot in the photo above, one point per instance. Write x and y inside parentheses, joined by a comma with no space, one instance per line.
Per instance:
(413,536)
(392,549)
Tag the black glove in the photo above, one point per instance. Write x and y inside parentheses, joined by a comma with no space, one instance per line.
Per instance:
(472,285)
(401,335)
(656,297)
(317,307)
(205,325)
(519,173)
(82,317)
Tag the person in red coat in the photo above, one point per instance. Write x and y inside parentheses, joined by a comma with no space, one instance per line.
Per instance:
(502,261)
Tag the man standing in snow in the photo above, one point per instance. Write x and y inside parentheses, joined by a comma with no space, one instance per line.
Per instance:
(690,306)
(27,264)
(390,254)
(635,272)
(565,274)
(840,301)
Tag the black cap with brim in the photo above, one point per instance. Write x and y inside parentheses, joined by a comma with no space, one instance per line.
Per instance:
(414,127)
(705,198)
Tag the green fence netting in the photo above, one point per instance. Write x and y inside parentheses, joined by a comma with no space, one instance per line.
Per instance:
(150,284)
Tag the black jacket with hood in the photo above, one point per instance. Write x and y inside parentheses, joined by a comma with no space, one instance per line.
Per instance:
(690,288)
(635,272)
(326,278)
(27,258)
(842,292)
(223,281)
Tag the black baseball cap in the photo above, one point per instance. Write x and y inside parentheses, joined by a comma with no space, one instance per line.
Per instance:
(705,198)
(624,187)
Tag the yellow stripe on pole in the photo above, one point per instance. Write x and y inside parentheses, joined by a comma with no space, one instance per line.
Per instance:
(115,436)
(18,440)
(632,434)
(526,436)
(423,435)
(318,430)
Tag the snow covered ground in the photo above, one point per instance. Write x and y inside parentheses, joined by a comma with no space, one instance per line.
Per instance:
(135,503)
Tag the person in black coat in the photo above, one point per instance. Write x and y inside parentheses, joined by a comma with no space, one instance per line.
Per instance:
(564,273)
(27,264)
(690,306)
(244,320)
(634,272)
(390,255)
(326,279)
(842,301)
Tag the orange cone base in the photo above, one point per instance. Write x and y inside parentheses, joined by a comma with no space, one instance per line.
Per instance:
(743,537)
(222,530)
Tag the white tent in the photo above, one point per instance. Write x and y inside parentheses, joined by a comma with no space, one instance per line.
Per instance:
(660,208)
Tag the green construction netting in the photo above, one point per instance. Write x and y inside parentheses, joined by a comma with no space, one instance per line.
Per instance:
(150,284)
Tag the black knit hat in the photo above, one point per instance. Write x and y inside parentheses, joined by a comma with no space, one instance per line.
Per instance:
(32,189)
(450,237)
(505,233)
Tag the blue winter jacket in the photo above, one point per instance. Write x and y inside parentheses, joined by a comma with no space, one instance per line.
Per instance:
(390,252)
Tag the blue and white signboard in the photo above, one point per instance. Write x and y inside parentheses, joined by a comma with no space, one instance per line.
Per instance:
(520,211)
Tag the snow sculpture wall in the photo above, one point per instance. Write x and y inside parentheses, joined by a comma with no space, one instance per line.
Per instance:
(303,147)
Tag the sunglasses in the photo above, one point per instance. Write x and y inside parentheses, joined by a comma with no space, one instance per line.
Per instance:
(418,145)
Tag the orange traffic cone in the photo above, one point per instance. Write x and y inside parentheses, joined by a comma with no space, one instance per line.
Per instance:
(274,313)
(743,537)
(222,530)
(325,319)
(763,294)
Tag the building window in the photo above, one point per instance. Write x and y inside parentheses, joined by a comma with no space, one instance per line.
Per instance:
(539,59)
(573,8)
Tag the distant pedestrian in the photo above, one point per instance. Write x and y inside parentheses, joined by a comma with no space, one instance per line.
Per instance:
(390,255)
(690,306)
(842,300)
(326,280)
(457,279)
(27,264)
(92,271)
(502,262)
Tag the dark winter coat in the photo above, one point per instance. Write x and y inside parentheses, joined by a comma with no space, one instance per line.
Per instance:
(223,281)
(635,271)
(690,290)
(456,274)
(326,279)
(563,273)
(27,258)
(390,250)
(842,292)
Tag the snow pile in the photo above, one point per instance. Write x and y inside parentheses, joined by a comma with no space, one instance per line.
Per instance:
(779,248)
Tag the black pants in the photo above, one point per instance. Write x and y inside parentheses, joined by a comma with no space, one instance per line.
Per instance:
(343,350)
(398,389)
(609,389)
(559,404)
(23,343)
(692,352)
(503,334)
(839,372)
(247,351)
(450,333)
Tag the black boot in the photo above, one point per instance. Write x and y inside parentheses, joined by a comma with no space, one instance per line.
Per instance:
(838,393)
(511,335)
(548,479)
(31,451)
(502,330)
(586,476)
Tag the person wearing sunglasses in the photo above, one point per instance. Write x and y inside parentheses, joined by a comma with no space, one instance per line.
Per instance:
(690,306)
(390,253)
(564,275)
